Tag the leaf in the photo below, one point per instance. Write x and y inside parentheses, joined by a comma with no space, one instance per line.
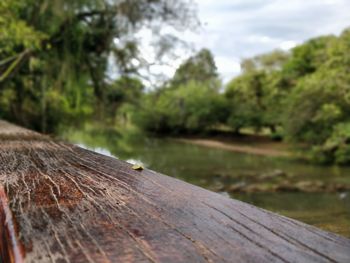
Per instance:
(137,167)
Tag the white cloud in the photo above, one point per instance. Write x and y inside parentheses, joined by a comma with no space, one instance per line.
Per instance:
(287,45)
(256,39)
(237,29)
(227,67)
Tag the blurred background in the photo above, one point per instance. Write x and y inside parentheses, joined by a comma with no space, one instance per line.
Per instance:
(248,98)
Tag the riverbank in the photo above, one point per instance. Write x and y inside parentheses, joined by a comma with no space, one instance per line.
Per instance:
(257,145)
(262,182)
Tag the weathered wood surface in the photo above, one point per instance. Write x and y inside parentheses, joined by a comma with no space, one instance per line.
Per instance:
(60,203)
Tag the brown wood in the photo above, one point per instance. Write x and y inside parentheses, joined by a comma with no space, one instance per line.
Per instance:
(61,203)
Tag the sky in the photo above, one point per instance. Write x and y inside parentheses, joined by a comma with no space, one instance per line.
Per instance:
(238,29)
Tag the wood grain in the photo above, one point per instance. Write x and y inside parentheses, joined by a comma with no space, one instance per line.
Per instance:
(61,203)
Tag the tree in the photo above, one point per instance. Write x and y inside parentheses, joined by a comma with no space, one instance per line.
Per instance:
(319,105)
(190,108)
(268,62)
(200,68)
(307,58)
(304,95)
(191,101)
(125,90)
(256,96)
(65,47)
(245,97)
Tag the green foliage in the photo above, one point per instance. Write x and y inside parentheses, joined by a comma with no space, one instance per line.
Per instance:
(303,96)
(125,90)
(336,148)
(16,31)
(308,57)
(189,103)
(66,47)
(245,95)
(268,62)
(319,105)
(258,94)
(192,107)
(200,67)
(316,105)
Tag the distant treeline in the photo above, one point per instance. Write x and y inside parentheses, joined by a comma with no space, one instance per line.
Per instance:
(302,96)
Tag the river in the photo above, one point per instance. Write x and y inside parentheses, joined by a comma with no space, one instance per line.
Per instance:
(215,169)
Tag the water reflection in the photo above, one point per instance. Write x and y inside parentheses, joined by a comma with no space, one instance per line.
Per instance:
(97,149)
(216,169)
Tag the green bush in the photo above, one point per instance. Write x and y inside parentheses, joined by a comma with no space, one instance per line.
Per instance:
(192,107)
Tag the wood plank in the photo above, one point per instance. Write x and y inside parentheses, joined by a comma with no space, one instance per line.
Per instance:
(61,203)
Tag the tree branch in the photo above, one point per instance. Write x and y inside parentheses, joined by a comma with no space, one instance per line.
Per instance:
(15,64)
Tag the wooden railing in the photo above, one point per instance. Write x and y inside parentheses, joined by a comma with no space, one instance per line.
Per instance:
(61,203)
